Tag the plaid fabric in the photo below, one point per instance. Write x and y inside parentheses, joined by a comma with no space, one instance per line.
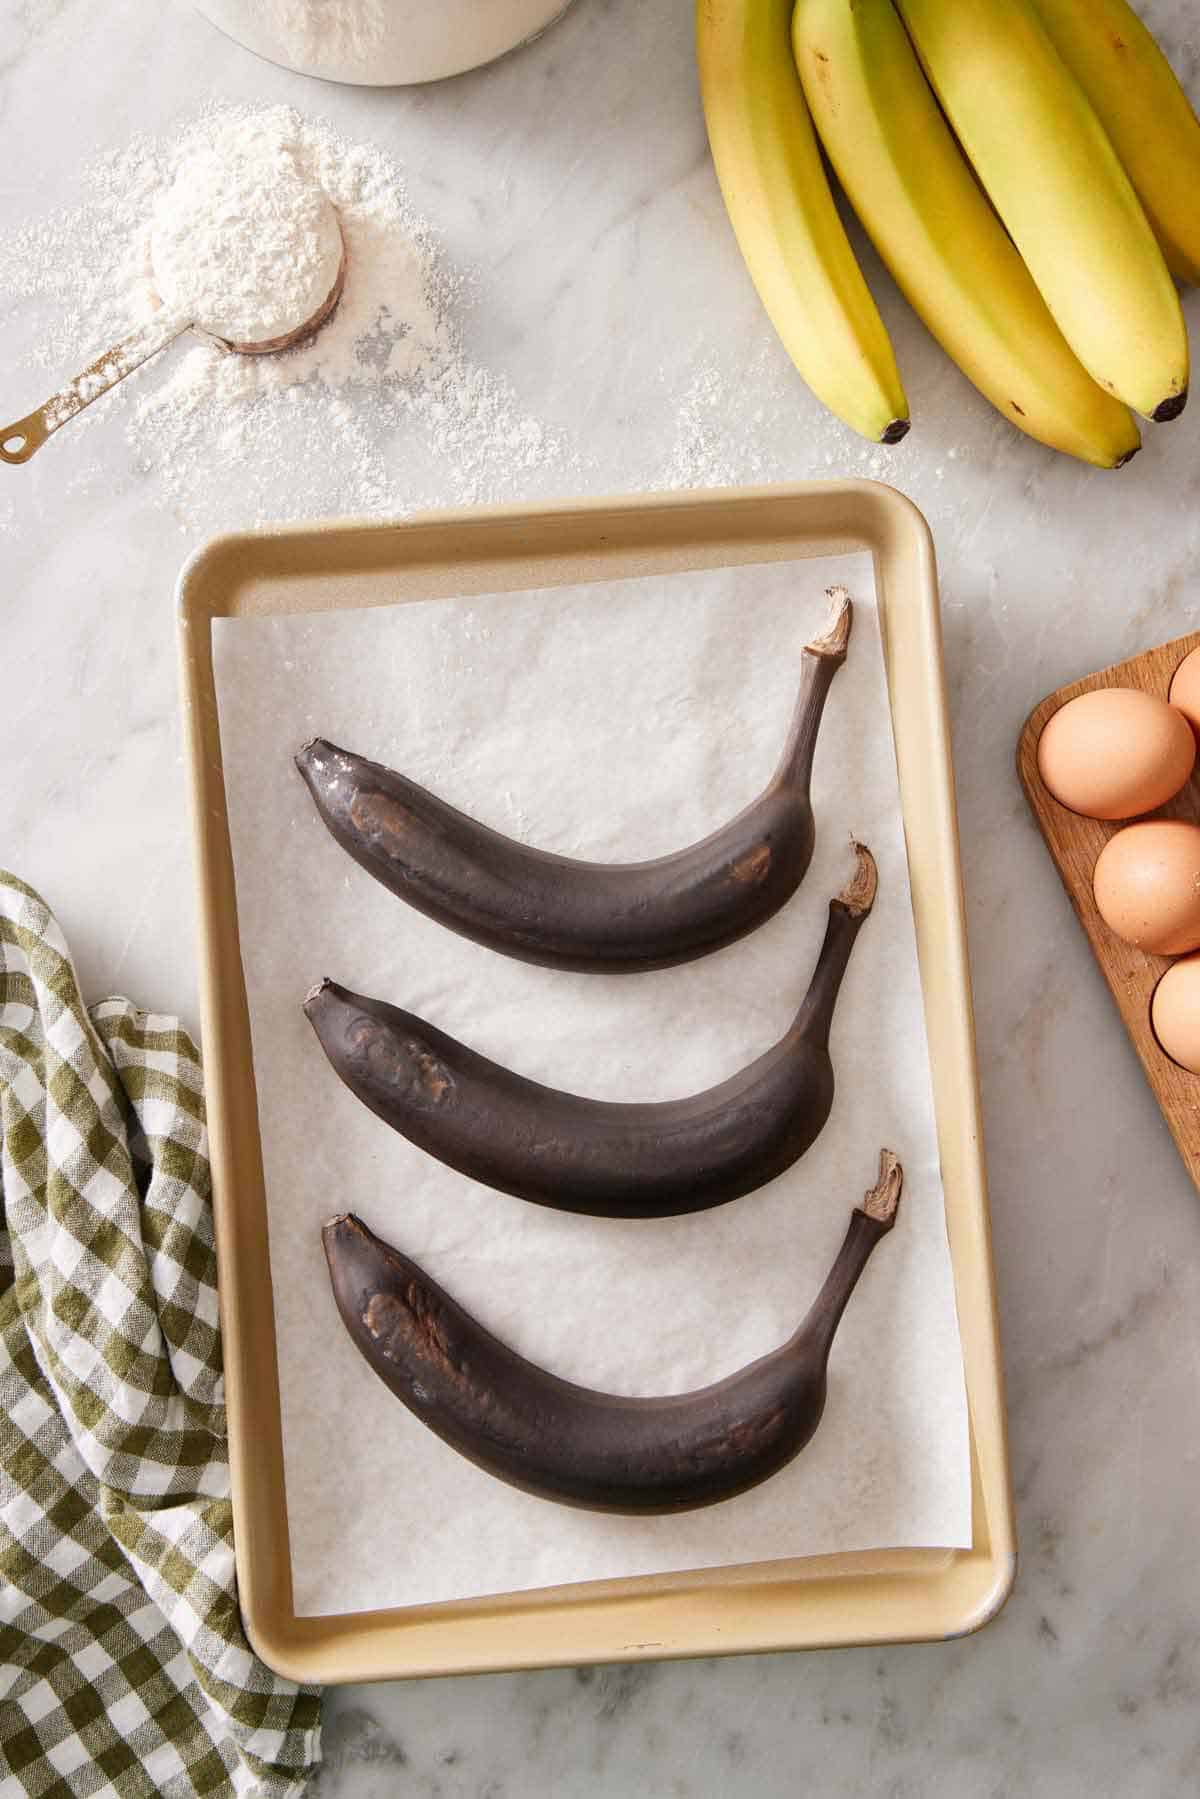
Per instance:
(123,1666)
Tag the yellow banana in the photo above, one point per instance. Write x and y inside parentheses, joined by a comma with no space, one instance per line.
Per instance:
(948,252)
(787,226)
(1055,180)
(1139,102)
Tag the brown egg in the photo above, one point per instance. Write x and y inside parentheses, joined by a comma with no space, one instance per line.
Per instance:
(1185,689)
(1147,885)
(1115,752)
(1175,1013)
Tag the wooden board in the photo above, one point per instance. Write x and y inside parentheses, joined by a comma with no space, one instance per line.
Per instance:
(1076,842)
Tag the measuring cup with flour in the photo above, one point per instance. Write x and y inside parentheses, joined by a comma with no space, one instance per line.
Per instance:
(251,259)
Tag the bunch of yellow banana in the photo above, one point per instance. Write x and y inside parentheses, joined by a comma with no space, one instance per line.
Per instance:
(1029,171)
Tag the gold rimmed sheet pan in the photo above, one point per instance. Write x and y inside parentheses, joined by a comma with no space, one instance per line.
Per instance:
(803,1602)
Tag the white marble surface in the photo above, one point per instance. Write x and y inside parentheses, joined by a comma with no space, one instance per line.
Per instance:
(574,180)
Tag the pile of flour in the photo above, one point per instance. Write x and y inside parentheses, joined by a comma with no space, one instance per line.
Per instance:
(245,242)
(379,411)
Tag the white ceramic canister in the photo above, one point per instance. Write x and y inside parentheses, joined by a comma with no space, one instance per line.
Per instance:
(381,43)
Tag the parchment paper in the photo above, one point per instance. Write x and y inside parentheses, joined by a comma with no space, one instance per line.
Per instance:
(616,721)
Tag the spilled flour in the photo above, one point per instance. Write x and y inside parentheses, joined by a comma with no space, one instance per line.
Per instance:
(382,410)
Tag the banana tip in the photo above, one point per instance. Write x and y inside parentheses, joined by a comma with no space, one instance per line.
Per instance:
(883,1199)
(898,429)
(833,640)
(858,895)
(1170,408)
(315,991)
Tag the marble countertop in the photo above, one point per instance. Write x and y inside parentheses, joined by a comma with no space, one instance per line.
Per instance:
(573,182)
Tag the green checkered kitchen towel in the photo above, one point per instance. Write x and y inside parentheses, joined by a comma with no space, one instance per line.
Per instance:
(123,1666)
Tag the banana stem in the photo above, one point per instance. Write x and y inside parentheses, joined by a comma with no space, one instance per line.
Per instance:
(868,1224)
(846,915)
(823,656)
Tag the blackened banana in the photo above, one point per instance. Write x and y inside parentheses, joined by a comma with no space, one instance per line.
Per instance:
(570,1443)
(588,1155)
(615,917)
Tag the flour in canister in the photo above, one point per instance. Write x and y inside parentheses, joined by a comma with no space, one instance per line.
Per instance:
(345,33)
(380,411)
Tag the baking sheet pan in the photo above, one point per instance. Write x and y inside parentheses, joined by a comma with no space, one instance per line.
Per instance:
(803,1601)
